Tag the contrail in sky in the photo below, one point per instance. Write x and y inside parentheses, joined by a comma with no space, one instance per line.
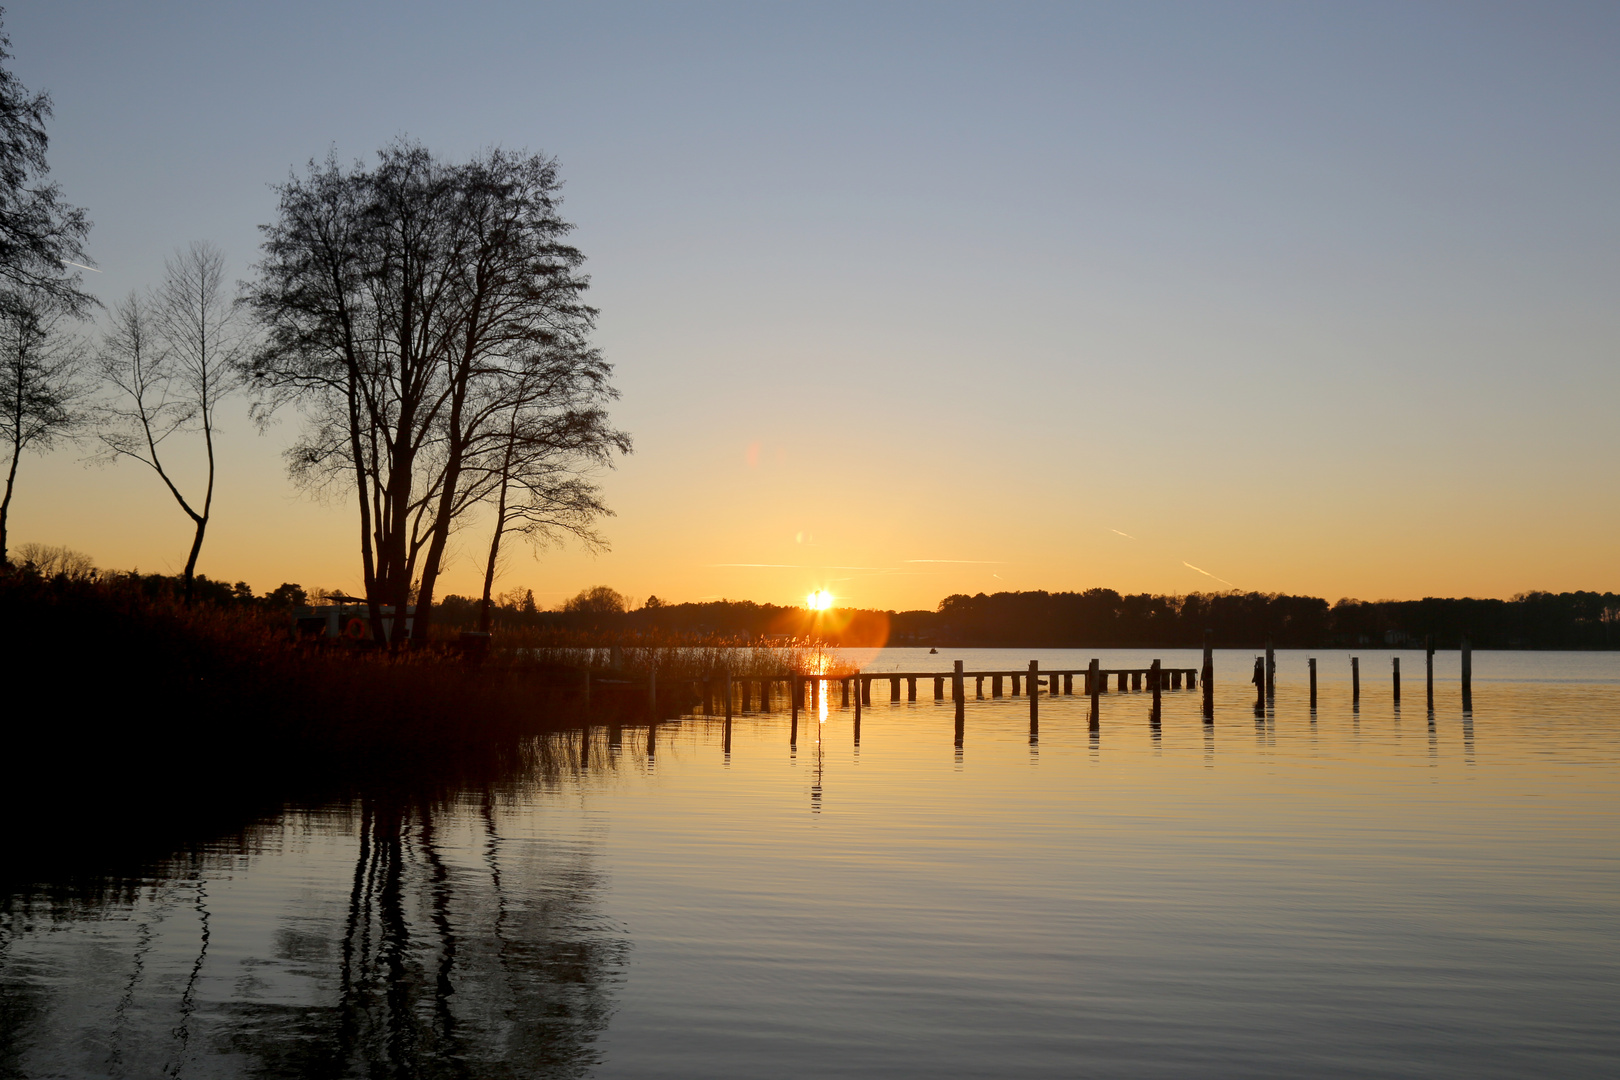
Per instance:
(1128,536)
(970,562)
(81,266)
(796,566)
(1206,573)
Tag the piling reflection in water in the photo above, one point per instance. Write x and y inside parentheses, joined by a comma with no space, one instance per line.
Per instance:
(402,937)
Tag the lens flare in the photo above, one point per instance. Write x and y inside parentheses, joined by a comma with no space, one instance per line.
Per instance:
(820,600)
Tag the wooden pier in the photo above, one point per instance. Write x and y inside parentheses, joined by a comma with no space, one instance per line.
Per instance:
(1033,682)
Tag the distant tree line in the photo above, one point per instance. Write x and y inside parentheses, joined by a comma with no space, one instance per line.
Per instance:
(1100,618)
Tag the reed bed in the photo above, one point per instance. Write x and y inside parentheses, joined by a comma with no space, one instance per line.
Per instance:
(674,657)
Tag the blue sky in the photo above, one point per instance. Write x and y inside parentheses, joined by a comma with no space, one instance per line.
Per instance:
(1319,298)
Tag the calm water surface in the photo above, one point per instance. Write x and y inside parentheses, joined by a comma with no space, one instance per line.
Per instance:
(1372,893)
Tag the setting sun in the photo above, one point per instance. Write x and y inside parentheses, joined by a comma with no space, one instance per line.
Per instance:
(820,600)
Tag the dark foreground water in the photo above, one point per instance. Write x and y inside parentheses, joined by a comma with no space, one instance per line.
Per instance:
(1378,893)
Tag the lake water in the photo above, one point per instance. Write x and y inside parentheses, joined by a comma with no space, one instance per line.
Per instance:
(1372,893)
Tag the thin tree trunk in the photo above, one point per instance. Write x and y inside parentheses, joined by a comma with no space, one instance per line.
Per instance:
(208,496)
(191,560)
(5,505)
(494,553)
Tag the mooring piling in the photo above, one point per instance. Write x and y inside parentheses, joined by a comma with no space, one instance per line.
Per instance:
(1271,671)
(728,696)
(958,695)
(1395,676)
(1312,663)
(1355,682)
(1209,679)
(1034,689)
(1094,684)
(1155,677)
(1428,670)
(1467,676)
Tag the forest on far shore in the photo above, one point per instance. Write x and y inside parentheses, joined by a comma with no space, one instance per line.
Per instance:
(1104,618)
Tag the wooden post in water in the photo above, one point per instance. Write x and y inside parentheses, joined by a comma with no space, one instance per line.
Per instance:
(1136,681)
(1094,684)
(793,695)
(1312,663)
(843,693)
(959,694)
(747,705)
(1034,689)
(939,688)
(725,736)
(1155,676)
(866,690)
(1271,671)
(1355,682)
(1395,675)
(858,682)
(1122,677)
(1015,684)
(995,686)
(1428,669)
(728,695)
(1467,676)
(978,687)
(894,688)
(815,693)
(1068,685)
(911,689)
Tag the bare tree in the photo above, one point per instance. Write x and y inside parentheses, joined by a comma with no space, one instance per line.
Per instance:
(170,358)
(56,560)
(397,301)
(41,381)
(41,237)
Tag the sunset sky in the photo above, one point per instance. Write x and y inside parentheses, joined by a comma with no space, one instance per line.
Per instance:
(907,300)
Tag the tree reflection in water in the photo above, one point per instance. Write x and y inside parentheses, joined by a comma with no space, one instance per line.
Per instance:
(399,936)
